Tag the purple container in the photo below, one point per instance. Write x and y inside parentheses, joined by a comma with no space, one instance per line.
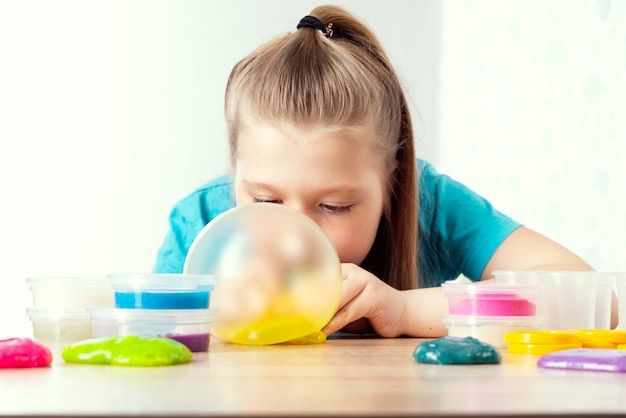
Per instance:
(188,326)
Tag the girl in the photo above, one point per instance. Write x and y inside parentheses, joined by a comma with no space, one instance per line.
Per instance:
(318,121)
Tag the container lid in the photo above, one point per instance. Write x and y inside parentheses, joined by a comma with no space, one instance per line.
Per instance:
(168,282)
(531,322)
(67,281)
(614,336)
(515,277)
(620,278)
(554,278)
(575,278)
(500,291)
(176,316)
(42,314)
(543,336)
(539,349)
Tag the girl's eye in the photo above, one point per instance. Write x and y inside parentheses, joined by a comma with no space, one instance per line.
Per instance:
(265,200)
(335,209)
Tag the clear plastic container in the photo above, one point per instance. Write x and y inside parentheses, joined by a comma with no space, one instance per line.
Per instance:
(479,299)
(57,328)
(571,299)
(191,327)
(69,293)
(516,277)
(488,329)
(620,288)
(162,291)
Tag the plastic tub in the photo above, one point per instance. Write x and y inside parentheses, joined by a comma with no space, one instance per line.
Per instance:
(69,293)
(571,299)
(57,328)
(492,300)
(620,288)
(488,329)
(191,327)
(162,291)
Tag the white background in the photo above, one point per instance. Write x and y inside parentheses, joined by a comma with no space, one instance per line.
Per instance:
(111,111)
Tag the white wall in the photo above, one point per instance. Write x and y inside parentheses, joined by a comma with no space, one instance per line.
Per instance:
(110,111)
(532,115)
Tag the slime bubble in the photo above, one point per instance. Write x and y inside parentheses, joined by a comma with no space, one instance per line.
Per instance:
(279,276)
(456,350)
(17,353)
(127,351)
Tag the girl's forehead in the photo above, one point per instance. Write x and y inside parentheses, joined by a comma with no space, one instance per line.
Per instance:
(255,134)
(251,120)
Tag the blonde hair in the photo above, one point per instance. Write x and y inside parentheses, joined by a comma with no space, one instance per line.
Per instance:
(306,78)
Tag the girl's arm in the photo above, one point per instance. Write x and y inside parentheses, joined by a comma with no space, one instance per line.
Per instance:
(526,249)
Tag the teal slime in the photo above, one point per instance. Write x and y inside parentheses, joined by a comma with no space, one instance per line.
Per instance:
(127,351)
(455,350)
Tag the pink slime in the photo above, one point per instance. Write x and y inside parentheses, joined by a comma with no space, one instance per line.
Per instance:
(18,353)
(494,304)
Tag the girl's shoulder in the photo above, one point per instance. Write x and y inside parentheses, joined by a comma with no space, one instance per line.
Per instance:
(209,199)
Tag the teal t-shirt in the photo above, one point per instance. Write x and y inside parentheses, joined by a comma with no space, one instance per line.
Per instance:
(459,230)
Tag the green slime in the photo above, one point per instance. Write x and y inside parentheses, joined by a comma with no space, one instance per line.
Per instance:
(127,351)
(455,350)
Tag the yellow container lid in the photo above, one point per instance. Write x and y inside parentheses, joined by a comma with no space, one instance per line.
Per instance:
(534,337)
(602,336)
(591,344)
(540,349)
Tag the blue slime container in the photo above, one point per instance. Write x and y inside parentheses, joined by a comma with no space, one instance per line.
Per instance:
(162,291)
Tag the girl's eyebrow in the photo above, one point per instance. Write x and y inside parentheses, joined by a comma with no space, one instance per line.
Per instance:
(347,188)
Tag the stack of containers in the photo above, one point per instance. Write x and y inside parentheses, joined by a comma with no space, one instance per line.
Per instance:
(488,311)
(58,313)
(571,299)
(175,306)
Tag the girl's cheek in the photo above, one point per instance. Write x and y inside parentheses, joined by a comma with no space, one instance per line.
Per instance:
(350,249)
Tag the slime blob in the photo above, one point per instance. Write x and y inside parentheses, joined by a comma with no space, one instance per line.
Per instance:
(456,350)
(18,353)
(588,359)
(127,351)
(279,276)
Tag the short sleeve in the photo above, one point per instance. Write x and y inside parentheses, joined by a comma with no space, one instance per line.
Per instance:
(186,220)
(459,230)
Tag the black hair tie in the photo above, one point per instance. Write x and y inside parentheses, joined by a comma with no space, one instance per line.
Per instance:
(315,23)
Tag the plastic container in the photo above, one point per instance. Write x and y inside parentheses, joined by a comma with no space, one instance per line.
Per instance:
(56,328)
(191,327)
(571,299)
(620,288)
(488,329)
(69,293)
(492,300)
(162,291)
(601,338)
(515,277)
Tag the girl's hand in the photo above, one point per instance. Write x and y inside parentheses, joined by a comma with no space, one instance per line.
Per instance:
(365,296)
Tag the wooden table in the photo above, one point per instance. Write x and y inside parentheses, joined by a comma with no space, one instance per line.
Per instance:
(344,377)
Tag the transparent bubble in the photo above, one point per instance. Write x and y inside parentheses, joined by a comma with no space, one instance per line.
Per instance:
(279,276)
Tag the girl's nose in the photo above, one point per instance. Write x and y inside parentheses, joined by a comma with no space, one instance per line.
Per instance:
(304,209)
